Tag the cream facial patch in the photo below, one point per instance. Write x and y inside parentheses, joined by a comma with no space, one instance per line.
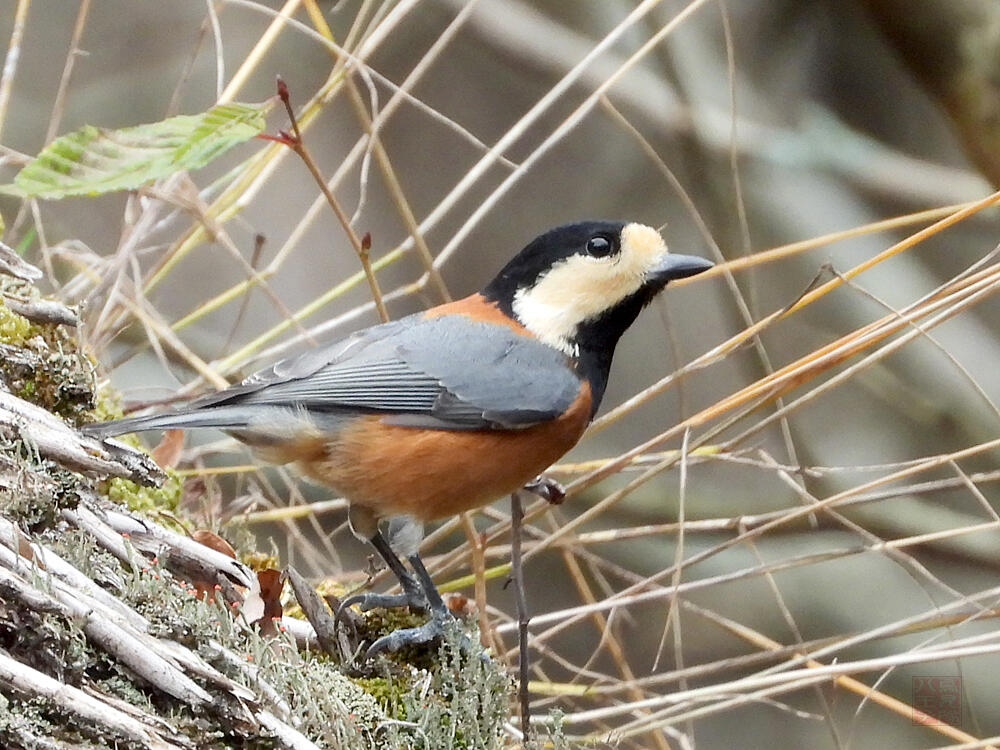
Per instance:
(582,287)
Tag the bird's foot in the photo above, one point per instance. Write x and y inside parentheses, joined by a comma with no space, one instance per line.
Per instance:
(442,626)
(430,631)
(419,595)
(412,597)
(547,488)
(415,600)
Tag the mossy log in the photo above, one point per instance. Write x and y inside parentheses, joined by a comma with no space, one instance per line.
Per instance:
(117,631)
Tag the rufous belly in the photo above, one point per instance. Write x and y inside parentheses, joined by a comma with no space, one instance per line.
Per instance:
(429,474)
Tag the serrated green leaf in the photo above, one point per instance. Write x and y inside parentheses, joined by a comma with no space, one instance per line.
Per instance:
(91,160)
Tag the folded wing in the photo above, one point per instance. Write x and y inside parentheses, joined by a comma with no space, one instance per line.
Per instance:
(447,372)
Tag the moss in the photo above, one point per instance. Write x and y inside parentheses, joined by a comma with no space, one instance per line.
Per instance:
(107,405)
(27,391)
(457,701)
(56,646)
(390,692)
(123,688)
(172,612)
(26,500)
(379,621)
(14,329)
(43,363)
(325,703)
(77,547)
(258,561)
(166,497)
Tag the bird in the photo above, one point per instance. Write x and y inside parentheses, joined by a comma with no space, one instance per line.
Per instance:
(448,409)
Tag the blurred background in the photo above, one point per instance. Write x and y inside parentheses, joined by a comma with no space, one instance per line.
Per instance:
(738,127)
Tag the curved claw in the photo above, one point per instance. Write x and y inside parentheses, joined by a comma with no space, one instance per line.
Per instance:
(397,639)
(432,630)
(367,601)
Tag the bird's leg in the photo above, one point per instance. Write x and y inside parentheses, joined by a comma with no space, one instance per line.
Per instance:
(434,628)
(413,595)
(431,594)
(365,526)
(431,630)
(419,591)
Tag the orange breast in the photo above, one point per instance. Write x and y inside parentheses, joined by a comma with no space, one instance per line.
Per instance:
(430,474)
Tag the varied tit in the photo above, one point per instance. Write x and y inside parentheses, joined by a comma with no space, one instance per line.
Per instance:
(449,409)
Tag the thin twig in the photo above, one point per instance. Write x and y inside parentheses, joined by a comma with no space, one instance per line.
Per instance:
(517,573)
(11,60)
(71,55)
(361,244)
(392,183)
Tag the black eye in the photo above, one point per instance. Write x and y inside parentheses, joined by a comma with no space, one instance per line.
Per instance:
(600,246)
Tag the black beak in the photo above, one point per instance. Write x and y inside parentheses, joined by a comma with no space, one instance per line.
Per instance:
(677,267)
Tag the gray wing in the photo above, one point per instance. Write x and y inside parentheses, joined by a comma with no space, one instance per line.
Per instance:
(448,372)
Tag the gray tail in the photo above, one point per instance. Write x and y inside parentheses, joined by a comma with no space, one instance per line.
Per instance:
(225,417)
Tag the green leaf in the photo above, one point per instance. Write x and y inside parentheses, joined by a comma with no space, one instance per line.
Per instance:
(91,160)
